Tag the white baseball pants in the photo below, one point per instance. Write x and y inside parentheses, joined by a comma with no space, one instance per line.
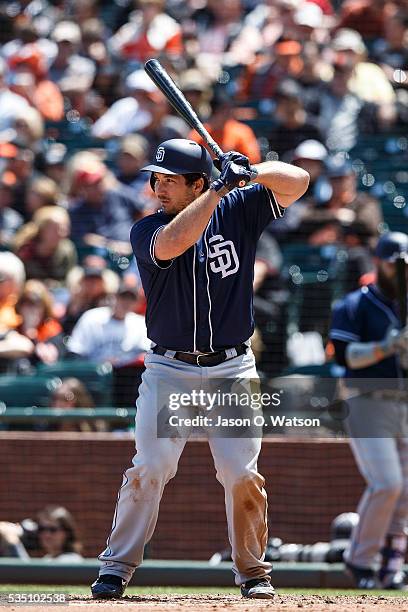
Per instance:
(155,463)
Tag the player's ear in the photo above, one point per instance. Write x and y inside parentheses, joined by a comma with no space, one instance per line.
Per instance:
(198,185)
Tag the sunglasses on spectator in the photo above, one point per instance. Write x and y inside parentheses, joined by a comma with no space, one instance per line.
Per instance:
(50,529)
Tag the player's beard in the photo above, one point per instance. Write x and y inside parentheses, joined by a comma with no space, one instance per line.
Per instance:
(388,286)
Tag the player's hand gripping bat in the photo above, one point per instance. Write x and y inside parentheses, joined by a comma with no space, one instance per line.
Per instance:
(176,98)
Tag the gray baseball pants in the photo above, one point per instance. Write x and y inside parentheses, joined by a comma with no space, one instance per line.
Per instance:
(155,463)
(379,440)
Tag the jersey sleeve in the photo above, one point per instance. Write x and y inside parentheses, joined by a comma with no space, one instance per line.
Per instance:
(345,325)
(260,208)
(143,238)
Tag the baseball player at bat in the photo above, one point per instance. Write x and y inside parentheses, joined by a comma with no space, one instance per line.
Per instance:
(196,260)
(371,341)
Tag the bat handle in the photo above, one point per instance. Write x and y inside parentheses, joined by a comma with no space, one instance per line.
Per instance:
(213,146)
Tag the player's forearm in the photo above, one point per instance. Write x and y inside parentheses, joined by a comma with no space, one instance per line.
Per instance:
(365,354)
(287,182)
(187,227)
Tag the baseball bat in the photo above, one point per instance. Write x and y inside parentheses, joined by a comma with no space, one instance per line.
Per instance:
(402,293)
(175,96)
(402,289)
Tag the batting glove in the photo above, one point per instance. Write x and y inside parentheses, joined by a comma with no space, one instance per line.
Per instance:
(231,176)
(395,340)
(231,156)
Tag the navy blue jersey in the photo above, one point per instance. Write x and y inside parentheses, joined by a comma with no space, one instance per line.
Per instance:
(202,300)
(366,315)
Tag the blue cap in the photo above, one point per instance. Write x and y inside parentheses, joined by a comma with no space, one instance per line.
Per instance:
(391,246)
(181,156)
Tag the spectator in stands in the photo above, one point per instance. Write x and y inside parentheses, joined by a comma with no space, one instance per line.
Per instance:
(230,134)
(198,90)
(274,19)
(71,394)
(133,155)
(294,123)
(162,125)
(82,10)
(38,323)
(69,69)
(104,210)
(282,60)
(348,214)
(391,53)
(54,162)
(93,42)
(365,16)
(366,217)
(112,333)
(315,71)
(29,79)
(44,247)
(42,191)
(29,128)
(308,21)
(13,345)
(131,113)
(89,288)
(107,85)
(10,219)
(58,536)
(19,169)
(12,105)
(342,115)
(149,32)
(223,33)
(368,81)
(310,155)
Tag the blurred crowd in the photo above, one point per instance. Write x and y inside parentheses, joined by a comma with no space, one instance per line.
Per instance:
(298,80)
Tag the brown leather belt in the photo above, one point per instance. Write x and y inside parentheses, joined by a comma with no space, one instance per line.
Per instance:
(204,360)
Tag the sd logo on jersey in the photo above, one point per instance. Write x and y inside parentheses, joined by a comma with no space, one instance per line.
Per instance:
(226,261)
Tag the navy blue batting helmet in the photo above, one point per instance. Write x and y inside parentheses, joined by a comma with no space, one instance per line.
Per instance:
(391,246)
(181,156)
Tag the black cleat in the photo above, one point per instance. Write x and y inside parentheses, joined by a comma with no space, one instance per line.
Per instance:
(258,588)
(394,581)
(363,577)
(108,586)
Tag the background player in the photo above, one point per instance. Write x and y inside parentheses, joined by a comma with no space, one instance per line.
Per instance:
(368,340)
(196,259)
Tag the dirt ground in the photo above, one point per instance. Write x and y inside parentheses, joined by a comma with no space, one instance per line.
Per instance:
(222,603)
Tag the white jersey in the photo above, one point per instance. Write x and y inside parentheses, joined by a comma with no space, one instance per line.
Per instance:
(99,337)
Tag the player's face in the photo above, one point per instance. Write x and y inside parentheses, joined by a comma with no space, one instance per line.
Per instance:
(173,192)
(387,277)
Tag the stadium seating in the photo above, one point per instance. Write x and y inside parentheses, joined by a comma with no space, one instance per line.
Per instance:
(26,391)
(96,377)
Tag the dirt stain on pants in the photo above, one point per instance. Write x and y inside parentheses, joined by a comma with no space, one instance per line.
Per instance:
(250,528)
